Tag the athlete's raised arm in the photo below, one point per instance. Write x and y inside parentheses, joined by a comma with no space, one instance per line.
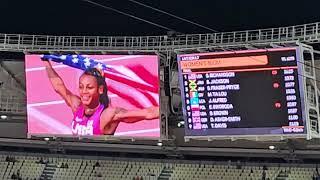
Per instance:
(58,85)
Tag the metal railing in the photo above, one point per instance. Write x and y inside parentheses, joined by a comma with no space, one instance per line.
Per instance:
(308,33)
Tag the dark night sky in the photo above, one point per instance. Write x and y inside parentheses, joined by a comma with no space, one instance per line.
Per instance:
(75,17)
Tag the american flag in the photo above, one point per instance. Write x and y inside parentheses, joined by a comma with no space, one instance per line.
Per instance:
(145,84)
(76,61)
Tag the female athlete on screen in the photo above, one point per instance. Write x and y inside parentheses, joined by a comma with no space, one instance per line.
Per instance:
(93,114)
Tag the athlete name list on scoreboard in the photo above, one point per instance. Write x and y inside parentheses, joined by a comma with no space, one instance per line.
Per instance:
(208,105)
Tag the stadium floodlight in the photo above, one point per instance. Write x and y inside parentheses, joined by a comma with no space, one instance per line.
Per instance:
(3,116)
(271,147)
(159,143)
(181,123)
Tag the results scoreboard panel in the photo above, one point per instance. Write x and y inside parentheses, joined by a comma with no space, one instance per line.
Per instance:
(255,92)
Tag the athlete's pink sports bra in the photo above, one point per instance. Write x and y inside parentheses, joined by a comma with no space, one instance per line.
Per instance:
(82,125)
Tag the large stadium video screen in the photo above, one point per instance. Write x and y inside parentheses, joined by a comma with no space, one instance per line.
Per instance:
(93,95)
(252,92)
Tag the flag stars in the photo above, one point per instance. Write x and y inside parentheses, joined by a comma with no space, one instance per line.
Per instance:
(63,57)
(75,60)
(99,66)
(87,62)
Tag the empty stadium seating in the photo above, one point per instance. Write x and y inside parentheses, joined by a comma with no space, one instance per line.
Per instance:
(93,168)
(26,167)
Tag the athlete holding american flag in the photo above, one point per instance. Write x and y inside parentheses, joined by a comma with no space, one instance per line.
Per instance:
(93,113)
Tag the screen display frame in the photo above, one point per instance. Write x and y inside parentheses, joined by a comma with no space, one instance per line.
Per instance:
(250,131)
(105,137)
